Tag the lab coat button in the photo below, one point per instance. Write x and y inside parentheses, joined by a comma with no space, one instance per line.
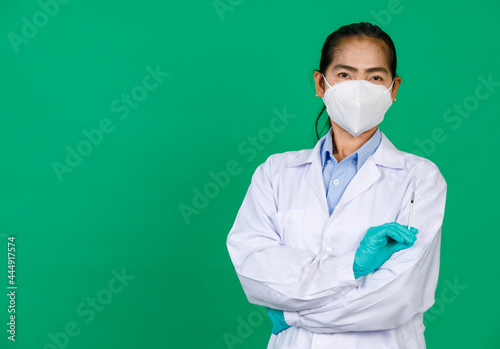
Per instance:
(336,182)
(318,343)
(329,250)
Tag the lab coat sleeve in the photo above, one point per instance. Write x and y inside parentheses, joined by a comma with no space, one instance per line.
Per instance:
(402,287)
(275,275)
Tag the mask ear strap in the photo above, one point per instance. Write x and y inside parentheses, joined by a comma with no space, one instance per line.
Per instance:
(391,84)
(325,80)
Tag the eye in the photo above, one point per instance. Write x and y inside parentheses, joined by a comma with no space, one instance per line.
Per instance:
(343,75)
(377,78)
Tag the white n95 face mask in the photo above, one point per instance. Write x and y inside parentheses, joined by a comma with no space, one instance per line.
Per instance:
(357,105)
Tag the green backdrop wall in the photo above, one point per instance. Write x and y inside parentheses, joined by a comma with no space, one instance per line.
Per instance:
(116,115)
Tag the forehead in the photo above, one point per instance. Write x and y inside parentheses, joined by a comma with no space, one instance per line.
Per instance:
(361,53)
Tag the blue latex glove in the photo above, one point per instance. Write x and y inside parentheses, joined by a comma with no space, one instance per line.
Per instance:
(277,317)
(379,244)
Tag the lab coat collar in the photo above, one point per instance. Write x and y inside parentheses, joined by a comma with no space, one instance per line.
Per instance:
(386,155)
(360,155)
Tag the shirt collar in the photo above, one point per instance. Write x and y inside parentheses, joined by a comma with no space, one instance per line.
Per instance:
(327,148)
(386,155)
(360,155)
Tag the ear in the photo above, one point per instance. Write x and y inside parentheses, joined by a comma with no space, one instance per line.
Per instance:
(397,82)
(319,83)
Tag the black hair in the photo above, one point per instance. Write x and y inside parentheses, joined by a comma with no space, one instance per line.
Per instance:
(360,30)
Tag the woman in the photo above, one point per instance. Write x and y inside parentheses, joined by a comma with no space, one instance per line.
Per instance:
(323,237)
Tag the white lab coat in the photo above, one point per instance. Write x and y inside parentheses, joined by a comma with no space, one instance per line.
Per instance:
(290,254)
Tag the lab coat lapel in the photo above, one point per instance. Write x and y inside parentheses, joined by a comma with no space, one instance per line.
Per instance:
(314,176)
(367,175)
(386,155)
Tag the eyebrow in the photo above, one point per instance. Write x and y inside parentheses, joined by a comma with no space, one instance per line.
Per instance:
(369,70)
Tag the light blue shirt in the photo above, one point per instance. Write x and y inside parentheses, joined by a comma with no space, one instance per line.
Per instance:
(338,175)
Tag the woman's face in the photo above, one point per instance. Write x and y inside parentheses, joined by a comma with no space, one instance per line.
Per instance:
(358,59)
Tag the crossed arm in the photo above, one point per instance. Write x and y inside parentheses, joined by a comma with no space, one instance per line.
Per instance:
(324,296)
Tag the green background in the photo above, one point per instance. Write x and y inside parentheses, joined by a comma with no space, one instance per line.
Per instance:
(119,207)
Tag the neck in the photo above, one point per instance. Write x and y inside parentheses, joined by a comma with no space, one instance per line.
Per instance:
(344,144)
